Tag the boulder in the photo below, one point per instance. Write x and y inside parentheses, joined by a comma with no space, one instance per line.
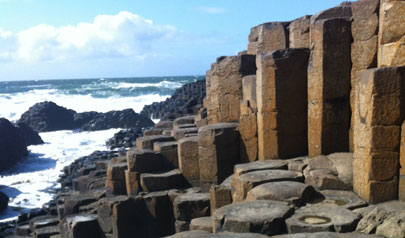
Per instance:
(265,217)
(244,183)
(3,201)
(12,145)
(80,226)
(47,116)
(297,194)
(321,218)
(124,139)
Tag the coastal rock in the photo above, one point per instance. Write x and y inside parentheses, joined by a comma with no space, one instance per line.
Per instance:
(47,116)
(188,159)
(3,201)
(191,205)
(31,137)
(202,224)
(186,100)
(265,217)
(12,145)
(117,119)
(124,139)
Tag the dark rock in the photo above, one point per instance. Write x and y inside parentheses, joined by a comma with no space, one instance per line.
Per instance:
(12,145)
(124,139)
(187,100)
(117,119)
(3,201)
(47,116)
(31,137)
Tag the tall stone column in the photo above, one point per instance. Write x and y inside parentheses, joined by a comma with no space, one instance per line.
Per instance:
(329,87)
(378,115)
(281,89)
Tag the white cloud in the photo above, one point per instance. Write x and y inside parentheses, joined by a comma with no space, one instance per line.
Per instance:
(121,35)
(211,10)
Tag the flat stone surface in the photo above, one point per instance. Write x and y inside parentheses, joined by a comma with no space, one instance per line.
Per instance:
(244,183)
(294,193)
(345,199)
(146,161)
(81,226)
(46,232)
(205,234)
(321,218)
(327,235)
(265,217)
(181,133)
(241,169)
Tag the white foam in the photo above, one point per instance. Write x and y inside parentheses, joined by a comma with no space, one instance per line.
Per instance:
(14,105)
(162,84)
(29,183)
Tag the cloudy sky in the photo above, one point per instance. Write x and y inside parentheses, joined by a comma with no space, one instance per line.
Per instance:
(55,39)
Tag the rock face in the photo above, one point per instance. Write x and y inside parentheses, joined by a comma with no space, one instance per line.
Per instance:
(47,116)
(329,86)
(124,139)
(31,137)
(187,100)
(282,108)
(218,151)
(299,32)
(12,145)
(117,119)
(377,128)
(224,87)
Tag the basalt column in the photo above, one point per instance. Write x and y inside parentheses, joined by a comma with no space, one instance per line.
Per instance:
(378,115)
(224,87)
(329,87)
(364,46)
(282,103)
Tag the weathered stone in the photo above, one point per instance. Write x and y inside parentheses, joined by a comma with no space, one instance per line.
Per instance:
(168,150)
(23,230)
(189,160)
(392,54)
(265,217)
(317,219)
(146,142)
(161,208)
(74,202)
(248,132)
(344,199)
(378,116)
(241,169)
(246,182)
(163,181)
(116,171)
(117,187)
(191,205)
(43,221)
(219,196)
(329,74)
(392,16)
(132,182)
(294,193)
(401,193)
(299,32)
(393,226)
(80,226)
(282,109)
(364,54)
(183,120)
(153,132)
(181,226)
(181,133)
(218,151)
(46,232)
(249,90)
(146,161)
(164,125)
(365,8)
(202,224)
(327,235)
(365,29)
(205,234)
(272,36)
(224,87)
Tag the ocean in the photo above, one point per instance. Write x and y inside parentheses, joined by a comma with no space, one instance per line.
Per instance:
(30,183)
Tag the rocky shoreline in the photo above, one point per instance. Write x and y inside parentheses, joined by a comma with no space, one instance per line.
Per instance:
(302,135)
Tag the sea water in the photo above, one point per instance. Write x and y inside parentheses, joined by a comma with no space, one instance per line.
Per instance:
(32,181)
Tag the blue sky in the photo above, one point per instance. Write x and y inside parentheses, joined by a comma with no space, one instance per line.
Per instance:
(51,39)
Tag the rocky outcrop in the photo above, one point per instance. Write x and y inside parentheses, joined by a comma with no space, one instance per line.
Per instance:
(186,100)
(3,201)
(47,116)
(12,145)
(31,137)
(124,139)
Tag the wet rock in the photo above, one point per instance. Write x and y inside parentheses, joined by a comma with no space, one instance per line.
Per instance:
(43,221)
(294,193)
(30,136)
(3,201)
(265,217)
(12,145)
(47,116)
(124,139)
(320,218)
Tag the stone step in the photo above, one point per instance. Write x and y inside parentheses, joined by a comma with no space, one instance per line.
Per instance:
(147,161)
(183,132)
(146,142)
(80,226)
(168,150)
(163,181)
(202,224)
(183,120)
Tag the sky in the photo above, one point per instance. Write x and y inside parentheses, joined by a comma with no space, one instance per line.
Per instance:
(60,39)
